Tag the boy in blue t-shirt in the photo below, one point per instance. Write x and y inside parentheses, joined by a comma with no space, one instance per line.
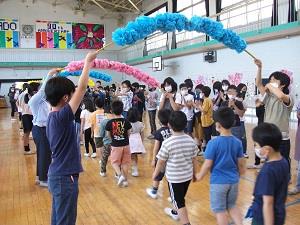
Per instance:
(61,132)
(224,159)
(271,185)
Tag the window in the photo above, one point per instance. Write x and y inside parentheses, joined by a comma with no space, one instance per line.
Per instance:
(157,39)
(190,8)
(245,13)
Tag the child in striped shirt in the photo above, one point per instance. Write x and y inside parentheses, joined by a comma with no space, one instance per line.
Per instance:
(178,155)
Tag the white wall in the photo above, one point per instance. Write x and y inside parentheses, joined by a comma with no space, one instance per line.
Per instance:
(276,55)
(43,10)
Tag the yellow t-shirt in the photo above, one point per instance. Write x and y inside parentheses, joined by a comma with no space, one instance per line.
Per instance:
(207,113)
(95,119)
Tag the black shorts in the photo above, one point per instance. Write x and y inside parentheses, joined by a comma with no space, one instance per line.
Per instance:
(178,192)
(27,123)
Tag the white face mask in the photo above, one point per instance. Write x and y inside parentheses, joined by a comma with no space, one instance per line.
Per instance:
(216,91)
(231,97)
(201,95)
(258,153)
(168,89)
(124,89)
(184,92)
(225,87)
(275,85)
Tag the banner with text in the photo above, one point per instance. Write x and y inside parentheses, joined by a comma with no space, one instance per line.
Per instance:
(53,34)
(9,33)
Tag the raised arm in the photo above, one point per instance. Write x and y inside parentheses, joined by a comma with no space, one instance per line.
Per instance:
(279,94)
(83,82)
(258,80)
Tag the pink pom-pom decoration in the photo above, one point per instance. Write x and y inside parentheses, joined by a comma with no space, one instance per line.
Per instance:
(201,80)
(235,79)
(289,73)
(116,66)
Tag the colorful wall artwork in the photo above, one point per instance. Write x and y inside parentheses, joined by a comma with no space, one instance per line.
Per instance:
(9,33)
(53,35)
(88,36)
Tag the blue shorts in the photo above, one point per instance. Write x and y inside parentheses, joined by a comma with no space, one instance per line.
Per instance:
(223,196)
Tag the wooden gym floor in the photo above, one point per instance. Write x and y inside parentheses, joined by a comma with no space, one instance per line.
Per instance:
(100,200)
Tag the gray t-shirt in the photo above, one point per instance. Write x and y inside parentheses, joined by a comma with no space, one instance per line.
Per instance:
(278,113)
(178,152)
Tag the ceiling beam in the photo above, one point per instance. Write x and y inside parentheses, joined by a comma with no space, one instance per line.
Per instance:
(100,6)
(134,6)
(116,5)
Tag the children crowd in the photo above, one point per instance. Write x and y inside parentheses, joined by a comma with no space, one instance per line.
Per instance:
(194,122)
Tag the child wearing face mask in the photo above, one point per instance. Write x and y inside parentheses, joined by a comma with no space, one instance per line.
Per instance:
(270,191)
(206,109)
(278,105)
(170,99)
(198,129)
(187,102)
(238,109)
(224,160)
(126,96)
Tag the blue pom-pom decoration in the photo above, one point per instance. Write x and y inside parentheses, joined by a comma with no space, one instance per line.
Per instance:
(143,26)
(94,74)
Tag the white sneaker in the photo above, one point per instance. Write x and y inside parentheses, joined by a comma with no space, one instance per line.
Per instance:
(125,184)
(102,174)
(246,155)
(86,154)
(170,199)
(100,161)
(168,211)
(149,191)
(120,181)
(94,155)
(13,119)
(135,172)
(43,184)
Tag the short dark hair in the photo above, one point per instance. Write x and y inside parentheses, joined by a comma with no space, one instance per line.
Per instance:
(284,79)
(232,87)
(241,86)
(117,107)
(226,82)
(170,81)
(99,103)
(127,83)
(98,81)
(56,88)
(133,115)
(224,116)
(183,85)
(178,121)
(199,86)
(135,85)
(217,85)
(88,104)
(189,83)
(164,116)
(267,134)
(206,91)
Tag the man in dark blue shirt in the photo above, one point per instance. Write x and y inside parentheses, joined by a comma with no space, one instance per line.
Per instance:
(271,186)
(61,131)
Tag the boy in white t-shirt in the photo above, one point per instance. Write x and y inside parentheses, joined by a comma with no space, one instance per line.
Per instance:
(86,128)
(187,101)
